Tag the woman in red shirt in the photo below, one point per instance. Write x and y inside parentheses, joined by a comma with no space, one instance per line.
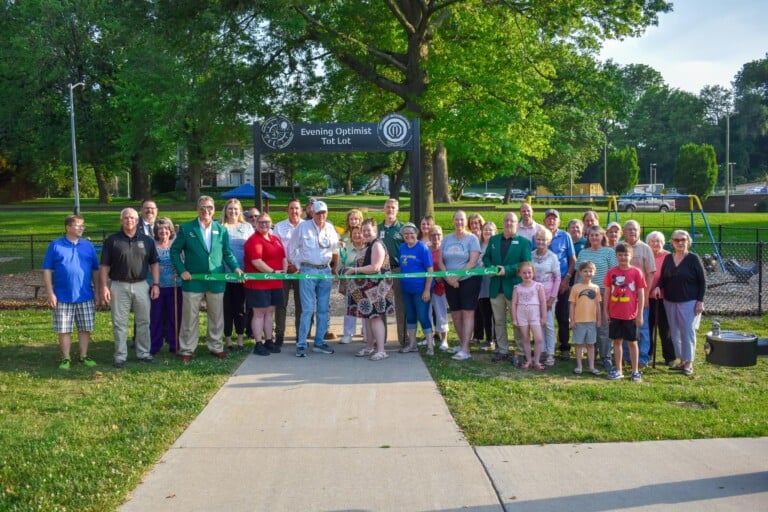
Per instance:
(265,253)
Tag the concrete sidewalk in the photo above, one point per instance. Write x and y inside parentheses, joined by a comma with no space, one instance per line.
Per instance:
(344,433)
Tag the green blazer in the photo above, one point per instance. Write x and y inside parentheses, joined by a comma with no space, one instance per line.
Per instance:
(197,260)
(519,251)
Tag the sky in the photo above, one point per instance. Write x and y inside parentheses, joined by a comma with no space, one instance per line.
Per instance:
(701,42)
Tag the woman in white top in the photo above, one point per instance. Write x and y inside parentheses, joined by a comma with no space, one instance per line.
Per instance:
(234,296)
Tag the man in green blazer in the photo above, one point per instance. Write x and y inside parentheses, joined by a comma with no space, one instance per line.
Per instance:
(505,251)
(202,247)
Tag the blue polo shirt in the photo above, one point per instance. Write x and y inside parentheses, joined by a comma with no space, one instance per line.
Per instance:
(562,246)
(72,265)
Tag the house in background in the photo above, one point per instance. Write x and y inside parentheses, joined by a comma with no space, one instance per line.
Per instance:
(235,167)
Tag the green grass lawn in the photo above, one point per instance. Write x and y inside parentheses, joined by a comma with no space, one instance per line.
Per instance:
(81,439)
(496,404)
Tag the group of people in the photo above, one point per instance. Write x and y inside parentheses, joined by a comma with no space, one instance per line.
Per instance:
(604,292)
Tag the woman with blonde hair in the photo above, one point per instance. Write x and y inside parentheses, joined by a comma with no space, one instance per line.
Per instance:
(234,295)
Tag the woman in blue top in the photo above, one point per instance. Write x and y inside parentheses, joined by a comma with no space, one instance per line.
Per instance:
(461,251)
(416,291)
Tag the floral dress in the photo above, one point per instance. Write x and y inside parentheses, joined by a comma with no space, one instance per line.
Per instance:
(370,298)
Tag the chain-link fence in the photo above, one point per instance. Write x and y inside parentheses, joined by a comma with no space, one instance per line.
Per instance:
(736,271)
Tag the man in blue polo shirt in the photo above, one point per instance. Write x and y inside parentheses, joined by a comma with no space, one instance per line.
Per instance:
(562,246)
(70,274)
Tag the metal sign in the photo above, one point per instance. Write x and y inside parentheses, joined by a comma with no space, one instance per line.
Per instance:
(394,132)
(279,135)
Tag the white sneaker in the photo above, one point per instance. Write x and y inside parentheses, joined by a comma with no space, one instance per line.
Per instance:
(444,346)
(422,343)
(345,339)
(456,349)
(461,356)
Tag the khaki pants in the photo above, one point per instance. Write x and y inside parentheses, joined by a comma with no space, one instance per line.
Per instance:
(190,323)
(127,296)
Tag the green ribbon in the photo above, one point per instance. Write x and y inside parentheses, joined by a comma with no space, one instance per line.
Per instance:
(283,276)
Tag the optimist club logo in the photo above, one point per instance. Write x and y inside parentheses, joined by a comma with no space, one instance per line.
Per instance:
(394,131)
(277,132)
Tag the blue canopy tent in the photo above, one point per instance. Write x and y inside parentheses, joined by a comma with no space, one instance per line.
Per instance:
(247,191)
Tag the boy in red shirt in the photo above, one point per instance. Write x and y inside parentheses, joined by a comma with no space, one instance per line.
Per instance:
(625,295)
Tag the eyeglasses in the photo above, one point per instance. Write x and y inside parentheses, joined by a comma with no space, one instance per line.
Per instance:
(206,208)
(678,240)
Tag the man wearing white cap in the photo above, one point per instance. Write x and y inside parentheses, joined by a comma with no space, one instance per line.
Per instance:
(314,249)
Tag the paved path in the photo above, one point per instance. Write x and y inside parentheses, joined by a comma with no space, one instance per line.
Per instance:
(341,433)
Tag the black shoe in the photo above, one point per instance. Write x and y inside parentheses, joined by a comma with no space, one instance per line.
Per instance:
(487,345)
(272,347)
(148,360)
(279,341)
(260,350)
(119,364)
(498,357)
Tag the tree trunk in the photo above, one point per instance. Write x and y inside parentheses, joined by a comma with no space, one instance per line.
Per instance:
(348,181)
(139,182)
(101,182)
(440,175)
(195,167)
(396,181)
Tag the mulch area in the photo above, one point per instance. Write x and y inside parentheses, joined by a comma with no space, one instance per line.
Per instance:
(17,291)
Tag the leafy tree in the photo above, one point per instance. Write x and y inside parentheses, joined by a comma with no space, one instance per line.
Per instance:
(623,171)
(696,169)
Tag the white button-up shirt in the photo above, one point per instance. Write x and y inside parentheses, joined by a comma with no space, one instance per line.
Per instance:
(312,244)
(284,231)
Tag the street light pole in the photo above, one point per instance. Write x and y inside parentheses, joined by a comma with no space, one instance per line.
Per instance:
(74,148)
(727,161)
(652,177)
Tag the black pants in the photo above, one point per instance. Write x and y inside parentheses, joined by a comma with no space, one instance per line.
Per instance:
(662,328)
(484,320)
(563,314)
(234,309)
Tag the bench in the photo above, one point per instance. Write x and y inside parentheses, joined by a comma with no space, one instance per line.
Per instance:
(39,284)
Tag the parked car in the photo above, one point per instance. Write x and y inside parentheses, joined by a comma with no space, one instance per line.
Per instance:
(757,190)
(471,195)
(493,196)
(645,203)
(516,193)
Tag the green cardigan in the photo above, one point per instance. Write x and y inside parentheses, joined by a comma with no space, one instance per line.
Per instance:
(519,251)
(197,259)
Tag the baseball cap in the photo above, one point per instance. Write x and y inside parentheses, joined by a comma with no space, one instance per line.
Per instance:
(551,211)
(319,206)
(612,225)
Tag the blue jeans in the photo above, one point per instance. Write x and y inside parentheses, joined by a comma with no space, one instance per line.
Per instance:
(643,341)
(416,309)
(314,293)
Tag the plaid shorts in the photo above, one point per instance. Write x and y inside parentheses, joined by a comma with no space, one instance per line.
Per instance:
(82,314)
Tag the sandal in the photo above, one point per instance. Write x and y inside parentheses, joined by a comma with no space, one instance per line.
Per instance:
(406,350)
(595,371)
(539,367)
(688,371)
(365,352)
(378,356)
(677,368)
(525,366)
(577,371)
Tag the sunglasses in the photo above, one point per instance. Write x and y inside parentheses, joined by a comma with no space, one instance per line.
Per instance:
(206,208)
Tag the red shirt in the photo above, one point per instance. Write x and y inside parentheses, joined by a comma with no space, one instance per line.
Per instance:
(621,288)
(271,252)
